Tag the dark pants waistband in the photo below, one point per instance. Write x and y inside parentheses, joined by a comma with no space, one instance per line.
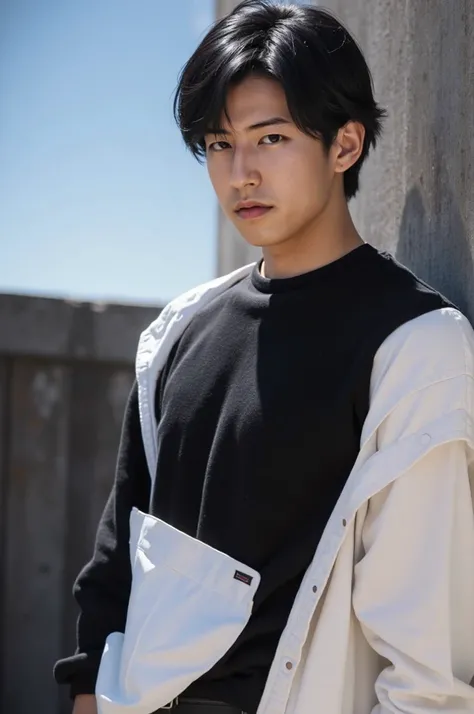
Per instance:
(199,706)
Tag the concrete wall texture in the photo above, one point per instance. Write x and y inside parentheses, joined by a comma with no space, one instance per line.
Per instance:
(417,188)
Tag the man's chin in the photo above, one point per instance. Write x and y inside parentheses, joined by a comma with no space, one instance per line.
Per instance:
(262,241)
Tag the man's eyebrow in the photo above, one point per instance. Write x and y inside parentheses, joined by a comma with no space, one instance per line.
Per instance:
(259,125)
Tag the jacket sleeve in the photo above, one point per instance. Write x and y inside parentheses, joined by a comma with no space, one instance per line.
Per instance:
(414,586)
(102,588)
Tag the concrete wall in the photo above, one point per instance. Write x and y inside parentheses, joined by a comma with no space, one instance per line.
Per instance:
(417,197)
(66,369)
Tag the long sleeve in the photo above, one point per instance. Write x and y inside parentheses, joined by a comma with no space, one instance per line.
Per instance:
(102,588)
(413,590)
(414,587)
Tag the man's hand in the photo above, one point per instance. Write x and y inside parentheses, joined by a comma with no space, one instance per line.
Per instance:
(85,704)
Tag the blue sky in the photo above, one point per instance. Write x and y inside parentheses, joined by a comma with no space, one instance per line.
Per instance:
(98,197)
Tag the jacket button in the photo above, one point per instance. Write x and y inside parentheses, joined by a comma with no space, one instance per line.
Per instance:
(344,522)
(315,588)
(289,665)
(425,439)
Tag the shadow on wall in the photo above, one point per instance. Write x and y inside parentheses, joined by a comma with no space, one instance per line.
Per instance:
(434,240)
(444,260)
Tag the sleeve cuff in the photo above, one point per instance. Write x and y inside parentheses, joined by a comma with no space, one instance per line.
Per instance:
(79,672)
(83,683)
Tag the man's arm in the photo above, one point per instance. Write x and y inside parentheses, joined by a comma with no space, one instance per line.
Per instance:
(414,587)
(102,588)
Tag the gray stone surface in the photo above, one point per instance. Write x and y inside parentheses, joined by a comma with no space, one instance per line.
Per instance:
(65,329)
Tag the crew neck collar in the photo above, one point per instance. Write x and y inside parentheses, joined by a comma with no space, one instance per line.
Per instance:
(347,262)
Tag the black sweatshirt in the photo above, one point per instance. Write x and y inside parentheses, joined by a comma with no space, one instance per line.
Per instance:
(259,409)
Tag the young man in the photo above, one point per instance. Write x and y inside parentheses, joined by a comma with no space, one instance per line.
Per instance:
(291,525)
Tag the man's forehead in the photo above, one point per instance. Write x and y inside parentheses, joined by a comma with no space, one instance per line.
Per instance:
(252,103)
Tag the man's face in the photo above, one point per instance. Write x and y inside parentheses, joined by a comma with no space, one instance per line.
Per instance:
(277,165)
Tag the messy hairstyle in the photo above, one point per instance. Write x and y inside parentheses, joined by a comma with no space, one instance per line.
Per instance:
(321,68)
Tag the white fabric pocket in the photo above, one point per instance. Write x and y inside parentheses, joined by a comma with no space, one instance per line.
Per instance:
(188,604)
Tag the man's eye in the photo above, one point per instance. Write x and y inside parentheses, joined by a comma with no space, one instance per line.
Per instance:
(218,145)
(272,139)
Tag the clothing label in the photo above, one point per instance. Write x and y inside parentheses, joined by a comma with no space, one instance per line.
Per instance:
(243,577)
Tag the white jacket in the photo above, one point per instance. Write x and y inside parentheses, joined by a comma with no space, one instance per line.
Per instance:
(384,618)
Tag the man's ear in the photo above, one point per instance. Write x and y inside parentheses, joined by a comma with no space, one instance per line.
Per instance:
(348,145)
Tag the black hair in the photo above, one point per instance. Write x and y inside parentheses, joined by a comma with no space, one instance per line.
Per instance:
(321,68)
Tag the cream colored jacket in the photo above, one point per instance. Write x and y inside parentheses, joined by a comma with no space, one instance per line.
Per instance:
(384,619)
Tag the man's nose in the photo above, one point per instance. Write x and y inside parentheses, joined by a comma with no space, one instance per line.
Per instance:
(244,171)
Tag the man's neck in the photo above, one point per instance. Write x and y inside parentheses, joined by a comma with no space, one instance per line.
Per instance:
(317,247)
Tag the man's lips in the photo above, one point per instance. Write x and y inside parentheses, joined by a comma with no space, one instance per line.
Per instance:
(253,212)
